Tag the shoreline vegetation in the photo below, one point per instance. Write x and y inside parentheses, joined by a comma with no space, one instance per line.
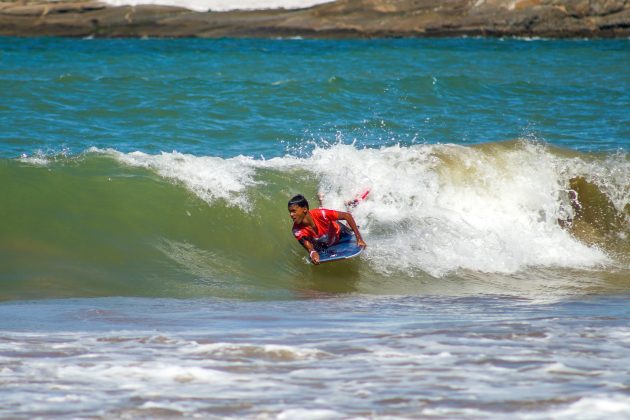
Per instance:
(339,19)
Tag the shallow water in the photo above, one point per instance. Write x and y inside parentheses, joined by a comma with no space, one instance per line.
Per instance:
(334,357)
(147,267)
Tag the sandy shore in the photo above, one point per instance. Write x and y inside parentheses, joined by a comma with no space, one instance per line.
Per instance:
(341,19)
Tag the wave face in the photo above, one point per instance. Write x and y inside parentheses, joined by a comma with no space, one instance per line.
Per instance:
(110,223)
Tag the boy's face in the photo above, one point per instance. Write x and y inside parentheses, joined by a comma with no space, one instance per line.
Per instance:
(297,213)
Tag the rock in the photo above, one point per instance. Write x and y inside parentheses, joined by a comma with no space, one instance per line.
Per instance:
(343,18)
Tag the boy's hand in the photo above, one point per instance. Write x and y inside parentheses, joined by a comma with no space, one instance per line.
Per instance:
(361,243)
(314,257)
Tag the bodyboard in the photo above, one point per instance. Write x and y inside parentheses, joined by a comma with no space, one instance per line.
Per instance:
(346,248)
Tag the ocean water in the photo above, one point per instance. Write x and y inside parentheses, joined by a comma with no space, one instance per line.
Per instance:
(147,267)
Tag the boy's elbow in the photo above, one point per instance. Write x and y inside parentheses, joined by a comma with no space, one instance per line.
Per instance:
(348,217)
(345,216)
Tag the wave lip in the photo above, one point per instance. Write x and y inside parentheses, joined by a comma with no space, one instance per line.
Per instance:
(210,178)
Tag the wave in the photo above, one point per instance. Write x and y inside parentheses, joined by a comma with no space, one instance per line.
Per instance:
(171,224)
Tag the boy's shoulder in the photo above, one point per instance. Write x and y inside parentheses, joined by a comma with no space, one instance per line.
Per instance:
(325,213)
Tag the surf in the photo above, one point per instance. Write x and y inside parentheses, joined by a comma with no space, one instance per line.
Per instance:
(108,223)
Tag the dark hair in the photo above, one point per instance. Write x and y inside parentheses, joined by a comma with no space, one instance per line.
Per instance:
(299,201)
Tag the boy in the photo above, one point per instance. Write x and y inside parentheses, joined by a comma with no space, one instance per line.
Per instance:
(316,229)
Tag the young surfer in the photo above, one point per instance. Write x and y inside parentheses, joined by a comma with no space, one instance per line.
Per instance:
(318,228)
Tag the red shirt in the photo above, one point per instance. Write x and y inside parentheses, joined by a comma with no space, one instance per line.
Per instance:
(327,232)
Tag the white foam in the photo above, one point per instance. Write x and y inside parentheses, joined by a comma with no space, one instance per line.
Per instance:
(37,160)
(138,374)
(272,352)
(42,158)
(439,208)
(224,5)
(595,407)
(210,178)
(312,414)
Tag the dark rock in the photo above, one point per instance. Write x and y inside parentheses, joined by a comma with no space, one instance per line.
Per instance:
(343,18)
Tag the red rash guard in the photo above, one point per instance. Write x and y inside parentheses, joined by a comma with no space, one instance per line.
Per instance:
(327,230)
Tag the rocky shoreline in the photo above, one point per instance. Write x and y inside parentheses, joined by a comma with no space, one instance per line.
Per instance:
(340,19)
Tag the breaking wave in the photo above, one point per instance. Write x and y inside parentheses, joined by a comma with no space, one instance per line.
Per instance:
(107,222)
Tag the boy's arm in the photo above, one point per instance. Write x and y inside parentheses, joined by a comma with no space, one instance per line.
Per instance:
(312,253)
(353,225)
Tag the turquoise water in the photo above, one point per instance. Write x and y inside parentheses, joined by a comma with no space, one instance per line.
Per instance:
(147,266)
(230,97)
